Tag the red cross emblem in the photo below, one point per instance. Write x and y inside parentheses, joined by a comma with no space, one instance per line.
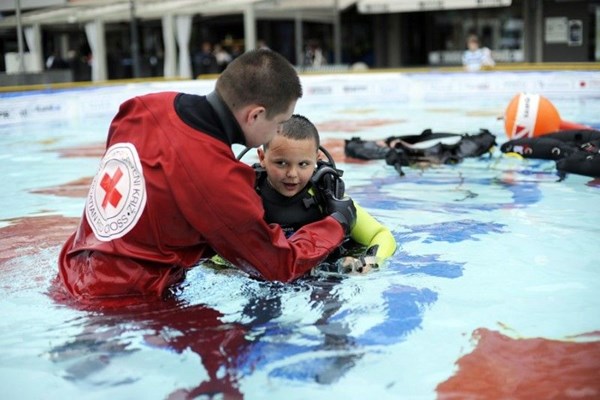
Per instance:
(110,187)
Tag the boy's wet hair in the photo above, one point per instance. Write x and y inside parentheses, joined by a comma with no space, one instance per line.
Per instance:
(298,127)
(262,77)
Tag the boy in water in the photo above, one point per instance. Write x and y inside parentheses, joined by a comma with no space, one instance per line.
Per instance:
(289,183)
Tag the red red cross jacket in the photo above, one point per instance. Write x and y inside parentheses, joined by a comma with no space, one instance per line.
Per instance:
(170,191)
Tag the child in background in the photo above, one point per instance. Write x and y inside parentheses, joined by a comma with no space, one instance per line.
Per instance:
(289,180)
(476,58)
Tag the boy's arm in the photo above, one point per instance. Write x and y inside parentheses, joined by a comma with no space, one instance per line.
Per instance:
(370,232)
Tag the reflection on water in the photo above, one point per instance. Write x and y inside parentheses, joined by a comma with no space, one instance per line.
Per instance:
(258,335)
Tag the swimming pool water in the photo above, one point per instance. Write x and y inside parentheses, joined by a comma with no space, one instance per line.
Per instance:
(492,292)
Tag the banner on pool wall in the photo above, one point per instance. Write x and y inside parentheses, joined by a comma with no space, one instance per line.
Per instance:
(84,103)
(340,88)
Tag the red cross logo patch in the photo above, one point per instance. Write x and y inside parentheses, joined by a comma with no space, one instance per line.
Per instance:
(117,196)
(109,184)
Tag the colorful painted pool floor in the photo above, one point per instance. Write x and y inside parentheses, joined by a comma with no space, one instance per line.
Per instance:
(491,294)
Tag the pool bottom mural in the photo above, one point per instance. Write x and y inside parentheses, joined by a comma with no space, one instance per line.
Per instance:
(491,293)
(315,331)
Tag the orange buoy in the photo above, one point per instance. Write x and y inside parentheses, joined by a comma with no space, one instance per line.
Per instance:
(531,115)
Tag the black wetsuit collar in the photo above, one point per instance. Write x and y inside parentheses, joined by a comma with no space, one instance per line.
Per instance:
(209,114)
(232,128)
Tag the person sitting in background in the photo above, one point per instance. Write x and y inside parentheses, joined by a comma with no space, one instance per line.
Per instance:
(290,182)
(476,58)
(313,56)
(222,57)
(204,61)
(55,61)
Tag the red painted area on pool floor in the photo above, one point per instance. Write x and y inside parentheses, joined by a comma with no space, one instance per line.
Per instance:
(501,367)
(76,188)
(96,151)
(28,235)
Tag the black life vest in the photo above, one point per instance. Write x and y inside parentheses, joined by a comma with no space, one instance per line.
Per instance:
(552,146)
(291,213)
(427,147)
(575,151)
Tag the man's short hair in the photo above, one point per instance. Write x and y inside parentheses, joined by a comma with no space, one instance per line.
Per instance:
(262,77)
(298,127)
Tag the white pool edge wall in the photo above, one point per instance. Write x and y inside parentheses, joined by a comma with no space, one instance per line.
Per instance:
(86,102)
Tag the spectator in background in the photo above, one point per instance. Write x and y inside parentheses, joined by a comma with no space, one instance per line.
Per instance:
(476,58)
(313,56)
(55,61)
(236,51)
(205,61)
(222,57)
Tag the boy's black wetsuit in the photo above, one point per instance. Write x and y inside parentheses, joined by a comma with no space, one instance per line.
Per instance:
(291,213)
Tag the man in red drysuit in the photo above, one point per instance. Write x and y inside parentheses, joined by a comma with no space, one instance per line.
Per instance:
(169,190)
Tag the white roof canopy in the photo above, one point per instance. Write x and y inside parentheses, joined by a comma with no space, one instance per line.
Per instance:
(397,6)
(79,11)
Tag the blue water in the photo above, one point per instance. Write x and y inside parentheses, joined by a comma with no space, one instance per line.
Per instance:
(497,242)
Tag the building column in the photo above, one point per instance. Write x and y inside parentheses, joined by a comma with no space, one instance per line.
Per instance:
(533,30)
(249,28)
(184,32)
(33,37)
(394,40)
(337,34)
(299,38)
(597,49)
(170,61)
(95,35)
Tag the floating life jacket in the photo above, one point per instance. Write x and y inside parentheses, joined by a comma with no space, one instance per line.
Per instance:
(428,147)
(443,148)
(575,151)
(539,148)
(551,146)
(575,136)
(584,162)
(364,149)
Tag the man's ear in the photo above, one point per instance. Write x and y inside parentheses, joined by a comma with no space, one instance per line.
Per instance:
(253,113)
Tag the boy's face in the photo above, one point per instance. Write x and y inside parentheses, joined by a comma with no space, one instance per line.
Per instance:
(289,163)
